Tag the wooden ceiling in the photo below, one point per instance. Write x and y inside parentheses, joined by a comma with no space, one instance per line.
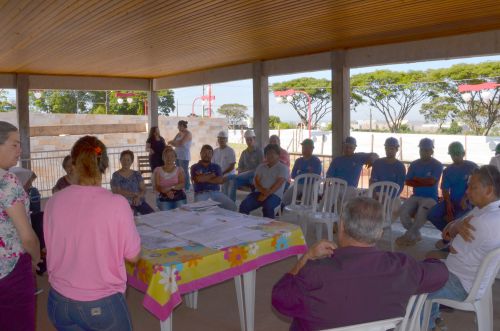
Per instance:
(133,38)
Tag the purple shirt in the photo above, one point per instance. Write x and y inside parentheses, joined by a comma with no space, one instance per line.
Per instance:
(355,285)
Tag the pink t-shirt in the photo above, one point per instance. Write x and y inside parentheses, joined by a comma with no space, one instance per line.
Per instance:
(89,232)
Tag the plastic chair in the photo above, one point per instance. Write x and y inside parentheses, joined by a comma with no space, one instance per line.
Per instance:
(329,209)
(411,321)
(385,192)
(483,306)
(303,198)
(383,325)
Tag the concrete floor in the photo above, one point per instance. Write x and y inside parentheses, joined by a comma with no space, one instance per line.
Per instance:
(217,306)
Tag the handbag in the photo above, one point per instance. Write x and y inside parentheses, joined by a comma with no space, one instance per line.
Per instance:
(178,195)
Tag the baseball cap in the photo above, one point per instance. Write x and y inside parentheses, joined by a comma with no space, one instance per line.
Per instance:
(426,143)
(391,142)
(456,148)
(350,141)
(307,141)
(222,134)
(249,134)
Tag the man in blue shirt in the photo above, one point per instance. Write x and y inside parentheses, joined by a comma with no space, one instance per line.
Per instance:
(423,175)
(389,168)
(307,164)
(207,177)
(453,187)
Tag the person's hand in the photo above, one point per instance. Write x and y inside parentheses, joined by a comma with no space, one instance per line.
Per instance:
(262,197)
(136,200)
(446,235)
(170,194)
(465,229)
(463,203)
(321,249)
(450,211)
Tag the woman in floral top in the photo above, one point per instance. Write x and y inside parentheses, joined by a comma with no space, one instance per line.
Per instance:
(19,246)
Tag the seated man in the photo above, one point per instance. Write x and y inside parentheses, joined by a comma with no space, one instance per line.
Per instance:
(453,187)
(250,158)
(355,283)
(473,237)
(307,164)
(225,158)
(349,166)
(389,168)
(207,177)
(423,175)
(269,183)
(495,160)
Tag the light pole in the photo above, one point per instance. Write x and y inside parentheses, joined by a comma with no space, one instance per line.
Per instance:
(129,98)
(289,96)
(203,99)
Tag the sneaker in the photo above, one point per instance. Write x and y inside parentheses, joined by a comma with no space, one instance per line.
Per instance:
(440,325)
(441,244)
(406,241)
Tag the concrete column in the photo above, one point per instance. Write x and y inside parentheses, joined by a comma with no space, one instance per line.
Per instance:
(23,117)
(341,109)
(260,104)
(152,106)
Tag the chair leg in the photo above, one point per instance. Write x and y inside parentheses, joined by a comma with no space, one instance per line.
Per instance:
(329,229)
(426,315)
(319,231)
(484,317)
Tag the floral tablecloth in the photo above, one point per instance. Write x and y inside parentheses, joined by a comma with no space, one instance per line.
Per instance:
(165,274)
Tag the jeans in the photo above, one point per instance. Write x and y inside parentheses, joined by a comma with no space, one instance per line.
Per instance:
(418,206)
(224,200)
(109,313)
(168,205)
(251,203)
(438,212)
(184,164)
(142,209)
(243,179)
(452,290)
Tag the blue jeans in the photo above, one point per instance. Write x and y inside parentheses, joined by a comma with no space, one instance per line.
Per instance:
(251,203)
(168,205)
(452,290)
(243,179)
(109,313)
(224,200)
(184,164)
(437,214)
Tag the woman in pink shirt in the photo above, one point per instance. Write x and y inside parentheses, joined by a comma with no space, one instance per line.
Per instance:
(169,182)
(89,233)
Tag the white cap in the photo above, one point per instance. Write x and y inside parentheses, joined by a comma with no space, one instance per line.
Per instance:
(249,134)
(222,134)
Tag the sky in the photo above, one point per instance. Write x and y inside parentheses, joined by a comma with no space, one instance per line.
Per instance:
(241,91)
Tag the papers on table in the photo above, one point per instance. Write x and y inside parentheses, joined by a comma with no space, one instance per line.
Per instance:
(200,205)
(215,228)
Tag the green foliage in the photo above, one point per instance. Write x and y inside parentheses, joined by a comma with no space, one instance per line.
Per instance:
(274,122)
(234,112)
(5,105)
(454,128)
(166,102)
(287,125)
(439,109)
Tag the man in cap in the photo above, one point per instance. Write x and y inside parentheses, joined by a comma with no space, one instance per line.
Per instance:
(349,166)
(453,188)
(306,164)
(423,175)
(495,160)
(225,157)
(389,168)
(250,158)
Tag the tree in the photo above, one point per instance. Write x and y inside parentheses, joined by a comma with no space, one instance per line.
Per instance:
(318,89)
(274,122)
(234,112)
(166,102)
(393,93)
(439,109)
(5,105)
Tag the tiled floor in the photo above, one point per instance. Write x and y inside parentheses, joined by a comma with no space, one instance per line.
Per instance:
(218,311)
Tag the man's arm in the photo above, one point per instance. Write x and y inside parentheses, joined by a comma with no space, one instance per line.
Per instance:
(371,157)
(229,168)
(432,274)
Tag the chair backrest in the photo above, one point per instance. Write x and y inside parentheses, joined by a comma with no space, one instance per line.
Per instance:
(383,325)
(304,193)
(384,192)
(411,321)
(488,268)
(332,201)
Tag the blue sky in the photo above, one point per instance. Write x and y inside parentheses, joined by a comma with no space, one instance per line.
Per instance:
(241,91)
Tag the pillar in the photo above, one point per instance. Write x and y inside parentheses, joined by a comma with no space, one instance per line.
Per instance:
(23,117)
(341,99)
(260,104)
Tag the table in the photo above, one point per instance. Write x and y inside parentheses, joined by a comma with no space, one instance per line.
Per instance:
(165,274)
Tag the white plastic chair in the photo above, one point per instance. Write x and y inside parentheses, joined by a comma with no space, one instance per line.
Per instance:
(303,197)
(383,325)
(411,321)
(385,192)
(329,209)
(483,307)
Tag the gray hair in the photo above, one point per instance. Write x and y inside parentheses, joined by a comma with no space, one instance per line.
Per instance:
(5,129)
(489,175)
(362,220)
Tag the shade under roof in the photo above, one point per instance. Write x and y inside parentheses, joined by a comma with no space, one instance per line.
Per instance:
(132,38)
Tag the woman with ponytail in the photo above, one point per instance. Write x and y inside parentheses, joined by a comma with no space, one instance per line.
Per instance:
(89,234)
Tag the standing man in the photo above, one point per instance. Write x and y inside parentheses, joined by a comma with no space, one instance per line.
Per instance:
(423,175)
(306,164)
(250,158)
(207,177)
(453,187)
(389,168)
(225,158)
(270,179)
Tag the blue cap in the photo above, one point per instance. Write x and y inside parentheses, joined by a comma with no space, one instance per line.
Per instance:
(350,141)
(391,142)
(426,143)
